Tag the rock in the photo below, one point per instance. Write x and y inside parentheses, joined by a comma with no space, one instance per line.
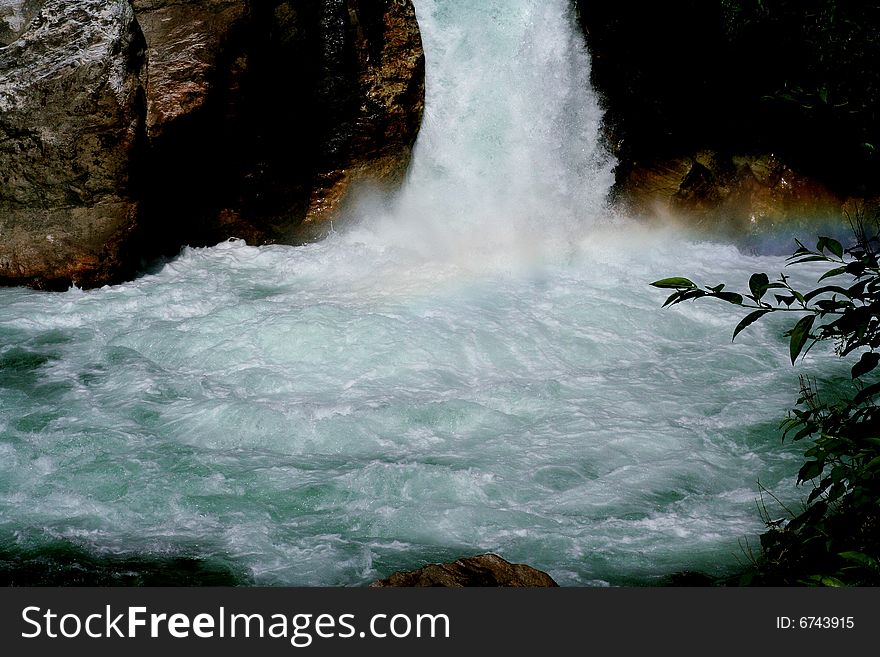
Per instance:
(129,129)
(389,68)
(482,570)
(185,41)
(688,578)
(745,81)
(15,16)
(71,120)
(262,115)
(729,194)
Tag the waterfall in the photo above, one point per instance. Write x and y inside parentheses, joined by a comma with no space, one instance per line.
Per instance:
(508,156)
(471,365)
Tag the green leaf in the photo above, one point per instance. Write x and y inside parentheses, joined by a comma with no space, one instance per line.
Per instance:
(832,272)
(730,297)
(855,268)
(759,284)
(812,258)
(860,558)
(867,362)
(873,463)
(866,393)
(834,289)
(684,295)
(749,319)
(832,245)
(817,493)
(803,433)
(676,283)
(837,491)
(671,299)
(799,335)
(810,470)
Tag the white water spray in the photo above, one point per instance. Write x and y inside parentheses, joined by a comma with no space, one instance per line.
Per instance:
(508,160)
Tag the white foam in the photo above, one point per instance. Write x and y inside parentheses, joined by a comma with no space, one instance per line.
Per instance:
(482,367)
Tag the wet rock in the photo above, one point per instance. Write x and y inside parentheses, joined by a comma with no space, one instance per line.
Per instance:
(262,116)
(71,119)
(387,69)
(728,194)
(129,129)
(482,570)
(15,16)
(185,41)
(745,81)
(687,578)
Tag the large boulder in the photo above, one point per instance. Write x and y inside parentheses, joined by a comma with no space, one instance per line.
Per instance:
(15,16)
(386,67)
(129,128)
(198,134)
(482,570)
(262,115)
(71,118)
(184,41)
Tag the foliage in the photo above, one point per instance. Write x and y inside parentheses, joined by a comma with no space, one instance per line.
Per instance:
(837,534)
(818,76)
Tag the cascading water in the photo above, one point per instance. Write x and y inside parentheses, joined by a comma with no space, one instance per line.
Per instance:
(508,149)
(477,365)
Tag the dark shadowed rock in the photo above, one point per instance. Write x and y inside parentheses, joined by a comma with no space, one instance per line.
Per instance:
(482,570)
(262,115)
(386,67)
(71,119)
(747,82)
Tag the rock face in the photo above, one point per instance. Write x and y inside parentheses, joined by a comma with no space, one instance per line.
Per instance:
(387,67)
(261,115)
(184,42)
(129,128)
(702,97)
(71,114)
(733,195)
(15,15)
(482,570)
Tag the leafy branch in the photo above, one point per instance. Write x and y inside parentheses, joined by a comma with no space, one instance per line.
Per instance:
(843,462)
(854,308)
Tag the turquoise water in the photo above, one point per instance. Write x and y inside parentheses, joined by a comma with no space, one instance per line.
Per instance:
(477,364)
(324,415)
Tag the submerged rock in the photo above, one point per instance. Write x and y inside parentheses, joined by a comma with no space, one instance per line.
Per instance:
(131,128)
(482,570)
